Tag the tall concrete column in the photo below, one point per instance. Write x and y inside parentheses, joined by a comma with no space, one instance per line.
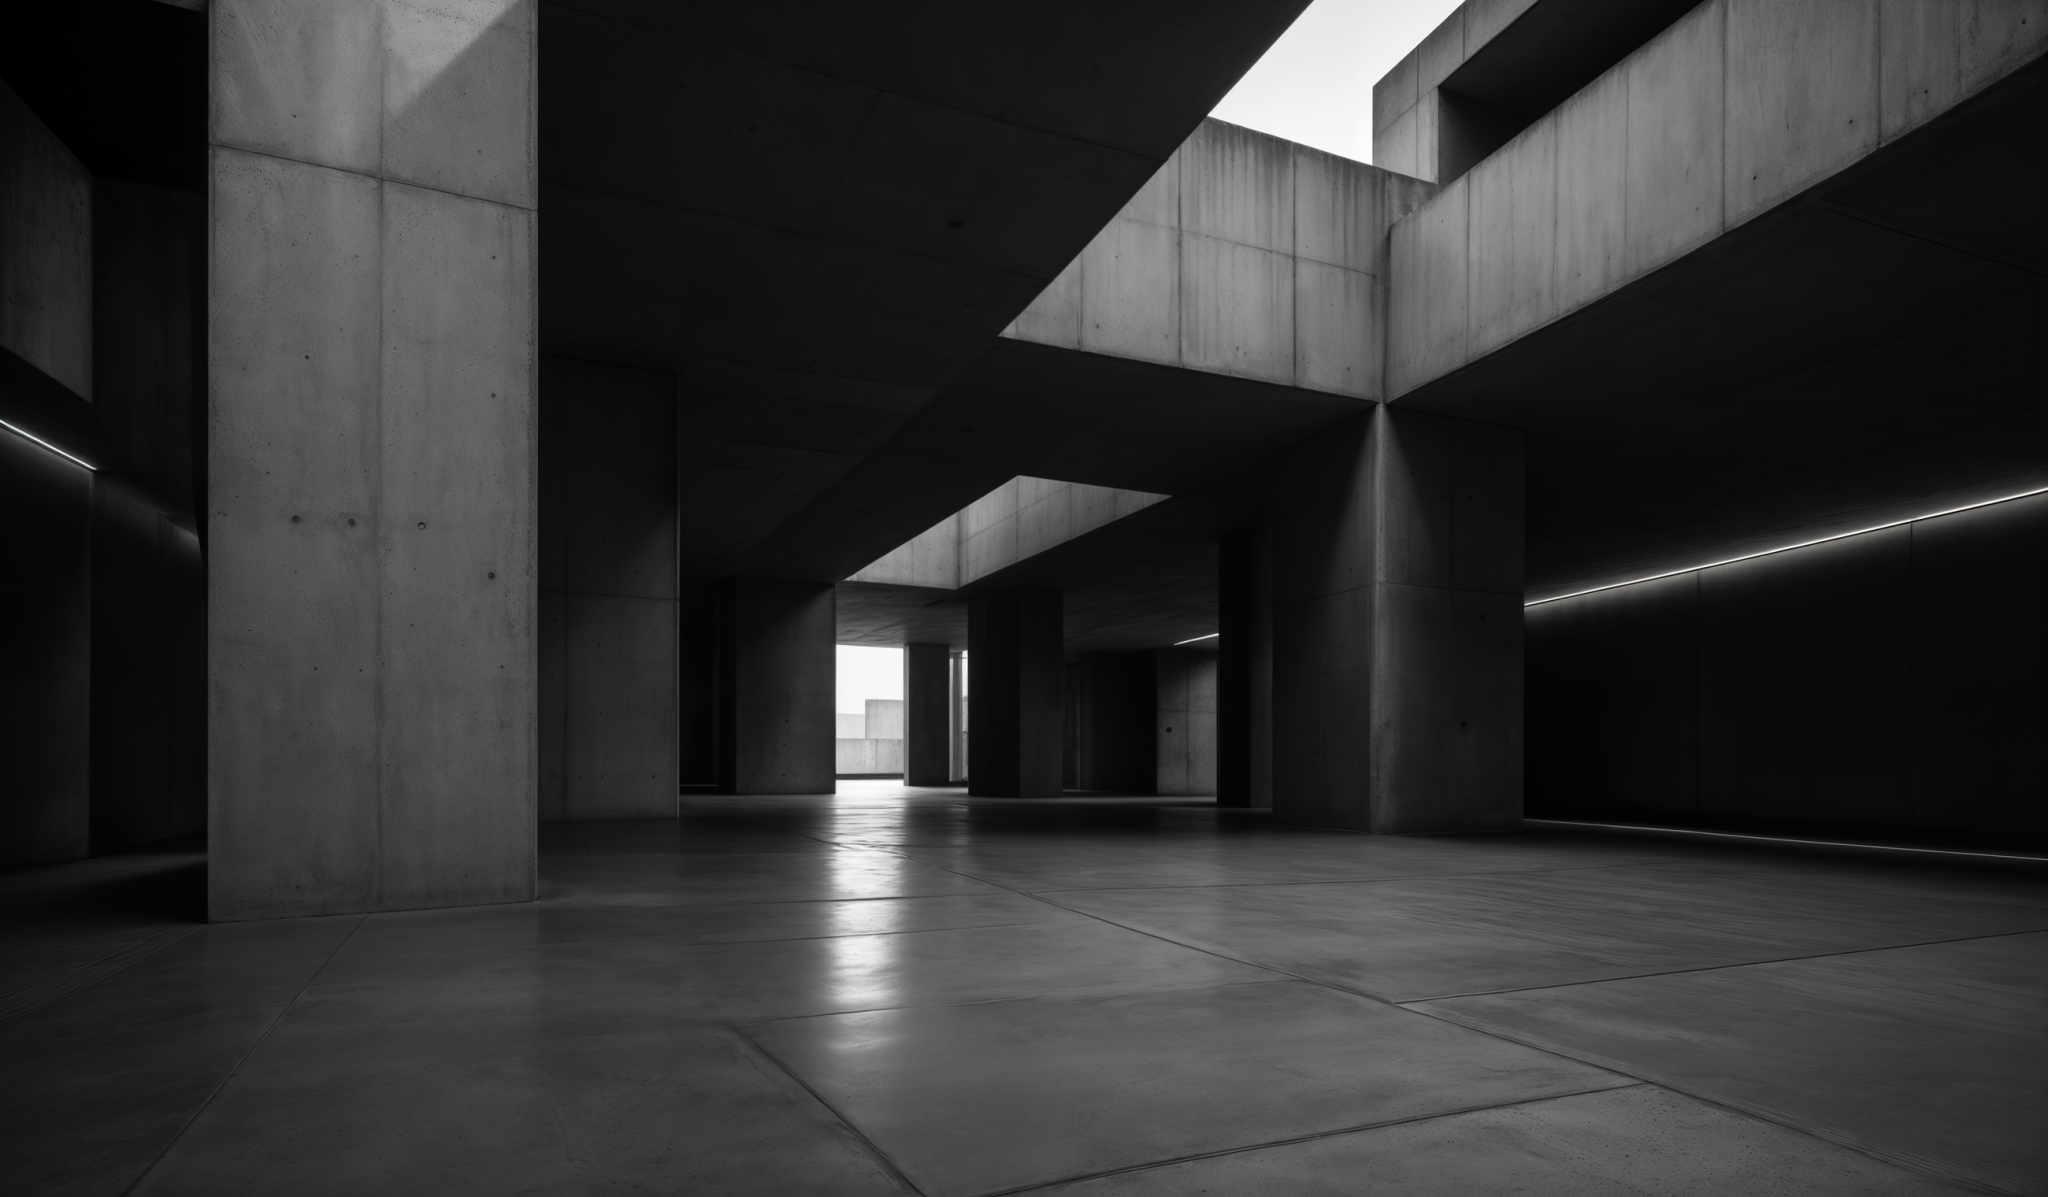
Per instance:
(1014,665)
(371,652)
(927,758)
(1244,683)
(1397,627)
(776,672)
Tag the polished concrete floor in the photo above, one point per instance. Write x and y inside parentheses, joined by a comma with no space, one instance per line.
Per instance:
(901,991)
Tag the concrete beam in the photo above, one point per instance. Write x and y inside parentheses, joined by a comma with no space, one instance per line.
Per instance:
(1737,107)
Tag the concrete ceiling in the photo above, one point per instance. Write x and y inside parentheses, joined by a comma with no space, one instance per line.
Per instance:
(1143,582)
(817,215)
(1870,351)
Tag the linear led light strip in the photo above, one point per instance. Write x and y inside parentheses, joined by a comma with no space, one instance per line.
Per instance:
(26,435)
(1786,548)
(1196,639)
(1697,833)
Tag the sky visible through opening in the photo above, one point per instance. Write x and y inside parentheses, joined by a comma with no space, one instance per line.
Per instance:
(866,673)
(1315,85)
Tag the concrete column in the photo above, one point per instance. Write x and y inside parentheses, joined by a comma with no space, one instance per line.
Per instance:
(776,674)
(1244,691)
(371,500)
(1397,642)
(1014,651)
(1112,707)
(926,759)
(609,744)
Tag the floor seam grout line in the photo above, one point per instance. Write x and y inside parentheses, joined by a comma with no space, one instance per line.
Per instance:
(889,1165)
(1311,1137)
(1712,968)
(1913,1166)
(235,1070)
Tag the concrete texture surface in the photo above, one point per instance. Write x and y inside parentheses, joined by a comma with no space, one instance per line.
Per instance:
(1184,712)
(927,714)
(1245,256)
(1015,663)
(46,691)
(1669,702)
(373,641)
(775,695)
(1397,627)
(892,991)
(608,593)
(1810,87)
(1019,519)
(45,249)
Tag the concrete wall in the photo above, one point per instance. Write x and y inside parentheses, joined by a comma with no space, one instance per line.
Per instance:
(45,249)
(608,596)
(1396,579)
(1112,724)
(46,633)
(871,743)
(149,577)
(371,511)
(863,757)
(775,685)
(45,501)
(1245,255)
(1735,108)
(1021,518)
(1883,687)
(1185,718)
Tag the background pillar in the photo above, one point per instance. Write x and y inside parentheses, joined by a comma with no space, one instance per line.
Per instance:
(776,672)
(1015,661)
(927,757)
(371,648)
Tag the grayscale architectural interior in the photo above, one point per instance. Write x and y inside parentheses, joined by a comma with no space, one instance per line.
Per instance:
(1516,668)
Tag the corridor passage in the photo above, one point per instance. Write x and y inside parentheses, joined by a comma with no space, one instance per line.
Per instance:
(894,991)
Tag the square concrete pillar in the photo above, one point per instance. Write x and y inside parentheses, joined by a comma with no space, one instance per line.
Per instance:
(1397,627)
(776,673)
(927,759)
(1015,663)
(371,643)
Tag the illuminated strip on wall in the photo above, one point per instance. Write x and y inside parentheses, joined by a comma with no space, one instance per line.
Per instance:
(1698,833)
(26,435)
(1196,639)
(1804,544)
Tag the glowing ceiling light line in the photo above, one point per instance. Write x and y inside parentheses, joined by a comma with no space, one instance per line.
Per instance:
(1196,639)
(1782,839)
(1804,544)
(26,435)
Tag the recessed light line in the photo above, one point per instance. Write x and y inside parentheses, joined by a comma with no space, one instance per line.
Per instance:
(1787,548)
(26,435)
(1196,639)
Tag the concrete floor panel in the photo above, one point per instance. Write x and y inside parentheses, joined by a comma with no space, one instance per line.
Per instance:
(1618,1143)
(889,988)
(1935,1054)
(982,1098)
